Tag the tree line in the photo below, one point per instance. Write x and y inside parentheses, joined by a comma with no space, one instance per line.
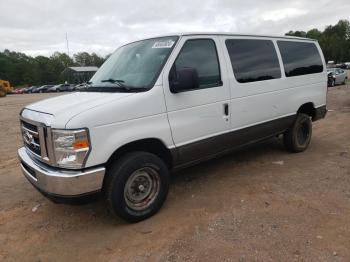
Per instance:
(23,70)
(334,40)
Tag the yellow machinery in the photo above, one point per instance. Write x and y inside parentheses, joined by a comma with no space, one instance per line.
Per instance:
(5,88)
(2,91)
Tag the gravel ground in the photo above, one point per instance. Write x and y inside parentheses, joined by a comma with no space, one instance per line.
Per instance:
(259,204)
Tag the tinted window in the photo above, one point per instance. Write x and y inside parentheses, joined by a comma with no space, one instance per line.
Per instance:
(253,60)
(300,58)
(201,55)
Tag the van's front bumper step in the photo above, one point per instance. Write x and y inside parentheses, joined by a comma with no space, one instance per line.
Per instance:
(59,182)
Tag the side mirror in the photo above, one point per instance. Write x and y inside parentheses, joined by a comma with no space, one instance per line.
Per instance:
(183,79)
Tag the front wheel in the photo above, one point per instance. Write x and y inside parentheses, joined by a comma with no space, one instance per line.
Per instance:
(297,138)
(136,186)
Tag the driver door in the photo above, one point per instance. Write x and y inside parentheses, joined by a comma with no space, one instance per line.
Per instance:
(198,117)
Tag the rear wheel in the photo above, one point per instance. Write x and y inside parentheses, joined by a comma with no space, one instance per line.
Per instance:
(136,186)
(297,138)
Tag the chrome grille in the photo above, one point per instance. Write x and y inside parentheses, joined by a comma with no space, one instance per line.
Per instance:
(31,137)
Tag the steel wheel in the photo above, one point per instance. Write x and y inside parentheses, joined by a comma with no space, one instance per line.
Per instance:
(303,133)
(136,185)
(142,188)
(297,138)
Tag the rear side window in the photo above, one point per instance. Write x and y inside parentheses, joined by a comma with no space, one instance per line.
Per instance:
(253,60)
(201,55)
(300,58)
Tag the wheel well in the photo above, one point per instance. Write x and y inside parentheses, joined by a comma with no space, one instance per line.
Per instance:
(308,109)
(151,145)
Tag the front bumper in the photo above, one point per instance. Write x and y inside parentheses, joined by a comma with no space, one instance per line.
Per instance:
(59,182)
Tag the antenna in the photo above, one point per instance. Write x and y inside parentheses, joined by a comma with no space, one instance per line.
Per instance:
(67,43)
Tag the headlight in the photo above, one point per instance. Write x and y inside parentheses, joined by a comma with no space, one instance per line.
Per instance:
(71,147)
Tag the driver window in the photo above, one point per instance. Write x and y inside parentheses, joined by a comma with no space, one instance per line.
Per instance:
(201,55)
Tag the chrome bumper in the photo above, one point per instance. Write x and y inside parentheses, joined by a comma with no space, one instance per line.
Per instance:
(60,182)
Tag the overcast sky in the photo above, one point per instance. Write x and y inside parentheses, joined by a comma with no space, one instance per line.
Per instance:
(39,26)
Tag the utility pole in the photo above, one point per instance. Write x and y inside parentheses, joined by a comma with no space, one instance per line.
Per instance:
(67,43)
(67,53)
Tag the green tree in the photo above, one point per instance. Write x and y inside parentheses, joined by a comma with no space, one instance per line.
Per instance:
(83,59)
(23,70)
(97,60)
(297,33)
(314,34)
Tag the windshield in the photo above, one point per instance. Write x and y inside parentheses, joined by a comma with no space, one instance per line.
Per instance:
(135,66)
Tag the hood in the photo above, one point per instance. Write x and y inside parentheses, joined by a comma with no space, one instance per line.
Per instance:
(64,107)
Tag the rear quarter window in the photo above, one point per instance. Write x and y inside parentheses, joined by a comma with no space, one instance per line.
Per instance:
(300,58)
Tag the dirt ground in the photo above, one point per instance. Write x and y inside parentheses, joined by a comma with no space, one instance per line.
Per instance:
(259,204)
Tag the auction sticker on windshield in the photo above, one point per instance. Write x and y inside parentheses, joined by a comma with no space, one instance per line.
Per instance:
(163,44)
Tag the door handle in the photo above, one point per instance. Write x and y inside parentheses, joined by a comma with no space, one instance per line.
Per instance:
(226,111)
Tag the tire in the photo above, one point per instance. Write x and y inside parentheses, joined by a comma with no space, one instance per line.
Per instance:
(57,90)
(136,186)
(332,83)
(297,138)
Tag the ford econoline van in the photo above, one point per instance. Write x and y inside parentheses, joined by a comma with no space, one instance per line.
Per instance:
(168,102)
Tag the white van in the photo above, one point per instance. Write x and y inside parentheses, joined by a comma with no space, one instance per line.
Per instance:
(165,103)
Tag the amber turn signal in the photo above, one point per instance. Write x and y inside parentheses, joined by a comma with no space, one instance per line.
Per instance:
(80,144)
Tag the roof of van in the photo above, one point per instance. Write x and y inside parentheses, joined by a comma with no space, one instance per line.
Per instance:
(221,33)
(235,34)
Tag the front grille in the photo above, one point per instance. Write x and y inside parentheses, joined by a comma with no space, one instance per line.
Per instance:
(31,138)
(30,126)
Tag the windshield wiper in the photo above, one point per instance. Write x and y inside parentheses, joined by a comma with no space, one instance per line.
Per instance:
(113,89)
(111,80)
(117,85)
(117,82)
